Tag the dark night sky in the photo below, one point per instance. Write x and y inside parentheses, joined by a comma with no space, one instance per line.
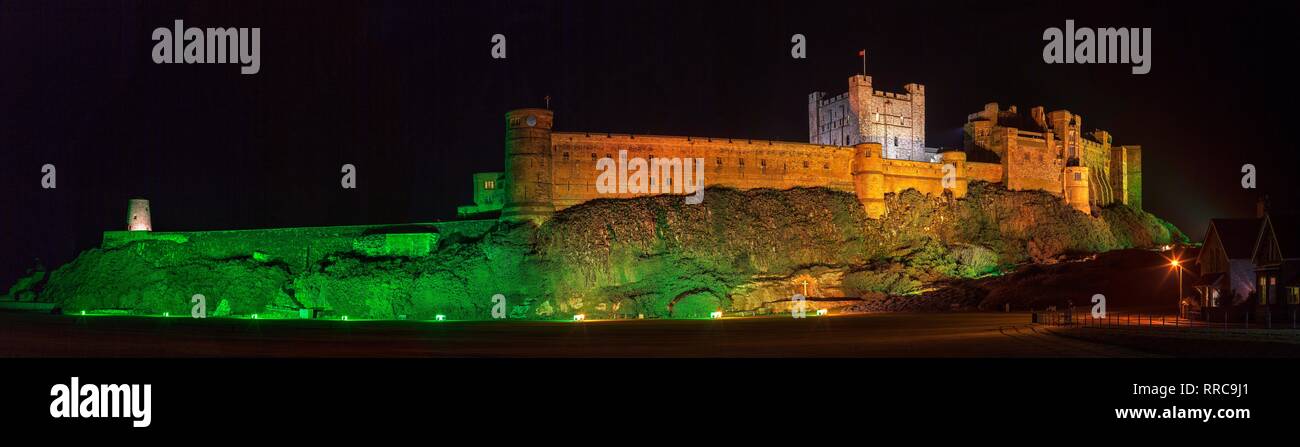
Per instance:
(409,94)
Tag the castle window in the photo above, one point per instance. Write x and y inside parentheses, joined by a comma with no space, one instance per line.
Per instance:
(895,141)
(1026,157)
(742,162)
(762,163)
(593,156)
(566,156)
(805,164)
(1078,176)
(826,165)
(490,184)
(719,161)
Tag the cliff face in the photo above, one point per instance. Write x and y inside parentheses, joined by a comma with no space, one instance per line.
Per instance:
(653,256)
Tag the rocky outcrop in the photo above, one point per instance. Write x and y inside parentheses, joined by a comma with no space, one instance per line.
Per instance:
(643,257)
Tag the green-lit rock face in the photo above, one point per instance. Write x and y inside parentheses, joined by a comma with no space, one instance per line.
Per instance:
(653,257)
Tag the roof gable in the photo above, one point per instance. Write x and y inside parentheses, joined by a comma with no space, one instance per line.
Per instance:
(1277,240)
(1237,236)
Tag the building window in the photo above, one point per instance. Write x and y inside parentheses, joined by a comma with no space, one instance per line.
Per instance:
(566,156)
(805,164)
(1078,176)
(593,156)
(1293,295)
(826,165)
(719,161)
(895,141)
(742,162)
(490,184)
(1026,158)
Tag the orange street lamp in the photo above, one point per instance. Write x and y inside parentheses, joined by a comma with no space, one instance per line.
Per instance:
(1176,264)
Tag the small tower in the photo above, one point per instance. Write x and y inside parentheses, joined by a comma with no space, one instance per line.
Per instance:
(959,183)
(1076,188)
(869,178)
(528,166)
(137,215)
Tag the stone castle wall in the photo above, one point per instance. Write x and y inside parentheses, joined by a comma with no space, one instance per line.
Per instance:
(565,173)
(1035,159)
(733,163)
(988,172)
(1032,164)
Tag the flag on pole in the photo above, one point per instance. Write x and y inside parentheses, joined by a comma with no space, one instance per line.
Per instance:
(862,53)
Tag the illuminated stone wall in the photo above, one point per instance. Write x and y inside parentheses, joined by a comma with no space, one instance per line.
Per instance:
(1114,172)
(988,172)
(547,171)
(733,163)
(299,248)
(1032,164)
(1131,169)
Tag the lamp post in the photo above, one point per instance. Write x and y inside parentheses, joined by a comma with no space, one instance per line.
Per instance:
(1176,265)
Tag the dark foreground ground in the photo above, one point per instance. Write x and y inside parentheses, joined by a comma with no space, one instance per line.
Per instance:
(869,335)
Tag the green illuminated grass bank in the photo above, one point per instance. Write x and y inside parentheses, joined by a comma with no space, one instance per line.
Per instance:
(651,257)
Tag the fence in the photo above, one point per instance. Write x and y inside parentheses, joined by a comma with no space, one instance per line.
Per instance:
(1229,320)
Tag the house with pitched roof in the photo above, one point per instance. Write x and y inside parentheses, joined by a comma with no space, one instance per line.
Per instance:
(1277,265)
(1227,266)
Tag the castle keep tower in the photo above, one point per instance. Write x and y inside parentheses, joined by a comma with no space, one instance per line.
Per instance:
(864,115)
(137,215)
(528,165)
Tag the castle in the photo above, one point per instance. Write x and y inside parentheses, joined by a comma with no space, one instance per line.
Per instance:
(865,142)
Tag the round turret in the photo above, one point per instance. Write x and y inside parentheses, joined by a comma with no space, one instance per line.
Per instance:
(957,181)
(869,178)
(528,165)
(1076,188)
(137,216)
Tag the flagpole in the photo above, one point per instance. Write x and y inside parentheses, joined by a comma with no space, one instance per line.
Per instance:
(864,61)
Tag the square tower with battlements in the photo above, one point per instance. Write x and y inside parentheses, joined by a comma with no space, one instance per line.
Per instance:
(864,115)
